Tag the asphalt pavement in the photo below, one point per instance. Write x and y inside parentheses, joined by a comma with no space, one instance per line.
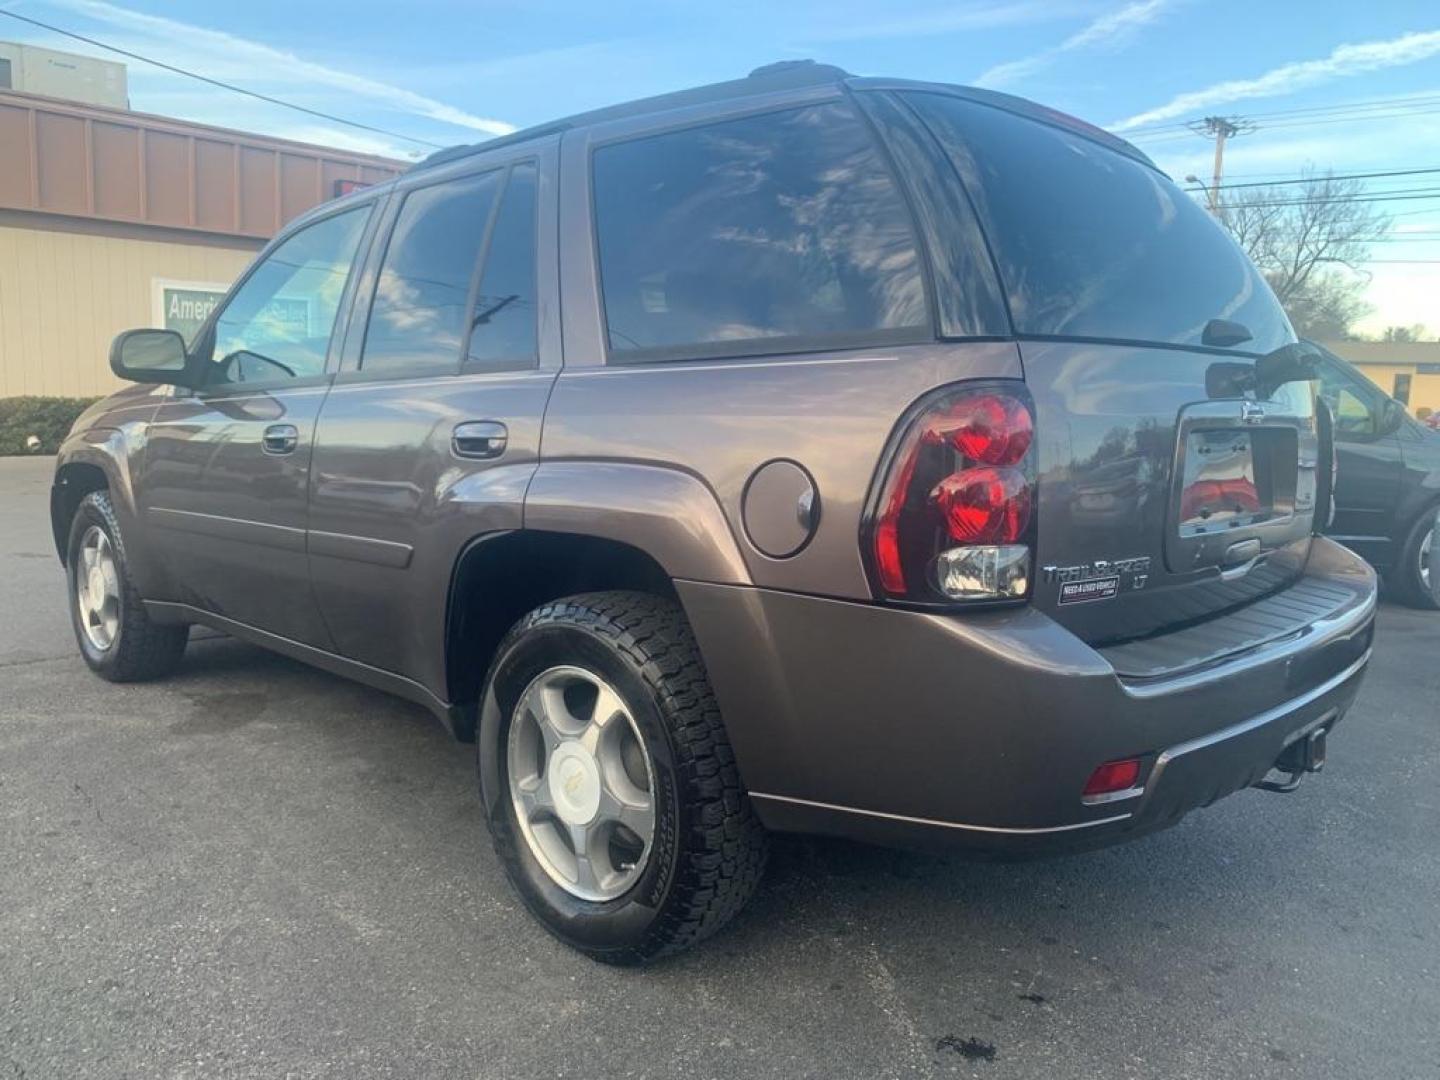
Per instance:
(255,869)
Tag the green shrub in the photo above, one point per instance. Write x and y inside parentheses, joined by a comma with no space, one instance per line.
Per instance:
(48,417)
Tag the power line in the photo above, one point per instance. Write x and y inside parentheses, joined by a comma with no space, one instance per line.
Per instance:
(1172,136)
(222,85)
(1338,108)
(1427,193)
(1322,177)
(1292,173)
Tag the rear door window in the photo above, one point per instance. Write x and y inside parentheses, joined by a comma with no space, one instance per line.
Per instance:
(417,319)
(502,322)
(1092,243)
(761,234)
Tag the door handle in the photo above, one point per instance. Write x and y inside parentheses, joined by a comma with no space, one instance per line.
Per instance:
(280,439)
(479,439)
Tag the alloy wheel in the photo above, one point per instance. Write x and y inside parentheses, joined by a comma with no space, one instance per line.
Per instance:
(1426,546)
(581,783)
(97,589)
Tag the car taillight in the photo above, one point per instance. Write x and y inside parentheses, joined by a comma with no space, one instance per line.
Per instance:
(954,517)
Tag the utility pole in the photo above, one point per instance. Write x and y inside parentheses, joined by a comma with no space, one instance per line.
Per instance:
(1219,128)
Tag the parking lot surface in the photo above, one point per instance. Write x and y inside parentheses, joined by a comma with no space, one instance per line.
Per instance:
(254,869)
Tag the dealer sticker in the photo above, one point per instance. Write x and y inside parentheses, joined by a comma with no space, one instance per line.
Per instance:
(1082,592)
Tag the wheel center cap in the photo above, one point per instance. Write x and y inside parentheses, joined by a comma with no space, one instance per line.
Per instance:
(95,586)
(574,783)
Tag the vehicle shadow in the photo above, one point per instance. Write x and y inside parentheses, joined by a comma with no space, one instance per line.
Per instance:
(1219,868)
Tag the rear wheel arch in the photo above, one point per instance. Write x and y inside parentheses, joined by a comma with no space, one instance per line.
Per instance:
(500,577)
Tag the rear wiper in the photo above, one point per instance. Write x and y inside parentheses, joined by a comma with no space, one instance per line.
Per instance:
(1222,332)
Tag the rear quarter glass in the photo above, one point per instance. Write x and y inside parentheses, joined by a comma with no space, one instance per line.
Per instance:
(776,232)
(1091,243)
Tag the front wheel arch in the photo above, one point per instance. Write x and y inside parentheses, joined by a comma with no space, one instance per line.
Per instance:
(73,481)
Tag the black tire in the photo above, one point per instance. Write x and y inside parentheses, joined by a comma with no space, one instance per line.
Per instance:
(709,848)
(140,649)
(1410,586)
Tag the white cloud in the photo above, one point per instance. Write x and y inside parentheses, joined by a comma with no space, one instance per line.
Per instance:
(1344,61)
(1110,30)
(209,51)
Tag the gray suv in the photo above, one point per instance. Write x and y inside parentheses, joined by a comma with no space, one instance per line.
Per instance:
(806,453)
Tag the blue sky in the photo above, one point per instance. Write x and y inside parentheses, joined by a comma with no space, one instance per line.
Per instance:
(450,72)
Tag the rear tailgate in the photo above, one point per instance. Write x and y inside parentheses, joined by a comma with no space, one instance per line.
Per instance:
(1167,492)
(1161,505)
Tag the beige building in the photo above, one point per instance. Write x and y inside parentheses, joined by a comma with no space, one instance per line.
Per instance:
(111,219)
(85,79)
(1407,371)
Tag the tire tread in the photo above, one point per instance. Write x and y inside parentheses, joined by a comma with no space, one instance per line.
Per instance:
(723,858)
(144,649)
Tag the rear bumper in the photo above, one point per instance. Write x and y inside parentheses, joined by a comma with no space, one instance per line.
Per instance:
(979,732)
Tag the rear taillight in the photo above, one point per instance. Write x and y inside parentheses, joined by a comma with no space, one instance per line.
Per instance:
(954,519)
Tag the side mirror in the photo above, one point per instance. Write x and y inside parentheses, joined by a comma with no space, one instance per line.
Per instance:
(1297,362)
(150,356)
(1392,415)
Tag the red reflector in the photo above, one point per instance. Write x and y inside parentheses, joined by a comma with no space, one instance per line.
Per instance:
(993,429)
(984,506)
(1113,776)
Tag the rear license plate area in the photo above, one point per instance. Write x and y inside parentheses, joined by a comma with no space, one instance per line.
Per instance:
(1219,490)
(1234,489)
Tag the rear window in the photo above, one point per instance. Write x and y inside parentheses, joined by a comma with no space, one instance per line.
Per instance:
(1090,242)
(761,234)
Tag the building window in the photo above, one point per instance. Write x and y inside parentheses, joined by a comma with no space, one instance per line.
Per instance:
(5,83)
(1401,392)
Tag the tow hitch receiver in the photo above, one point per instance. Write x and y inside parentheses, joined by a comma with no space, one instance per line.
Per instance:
(1305,755)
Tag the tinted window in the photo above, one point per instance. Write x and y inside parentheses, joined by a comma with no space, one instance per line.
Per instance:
(1092,243)
(278,324)
(502,325)
(967,293)
(417,319)
(1354,401)
(736,236)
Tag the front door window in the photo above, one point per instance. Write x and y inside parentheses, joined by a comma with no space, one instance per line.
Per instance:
(276,327)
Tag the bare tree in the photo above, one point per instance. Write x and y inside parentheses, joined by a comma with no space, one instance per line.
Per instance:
(1304,237)
(1404,333)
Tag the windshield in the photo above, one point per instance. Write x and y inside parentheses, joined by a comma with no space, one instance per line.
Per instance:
(1091,243)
